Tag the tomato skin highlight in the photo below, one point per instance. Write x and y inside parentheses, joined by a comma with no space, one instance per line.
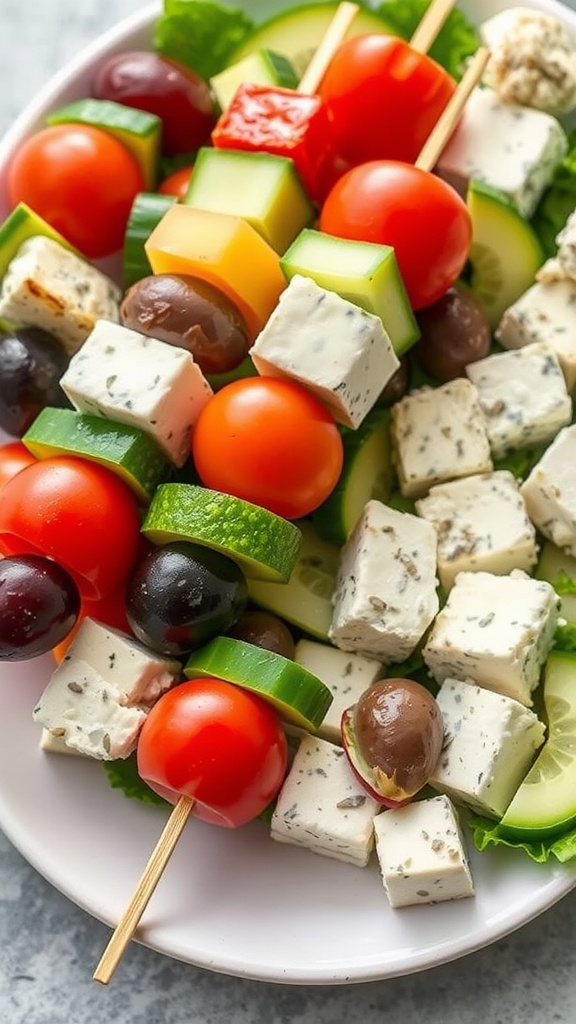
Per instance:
(176,184)
(217,743)
(76,512)
(81,180)
(270,442)
(423,218)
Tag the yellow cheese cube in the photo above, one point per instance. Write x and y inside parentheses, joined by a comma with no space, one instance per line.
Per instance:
(224,250)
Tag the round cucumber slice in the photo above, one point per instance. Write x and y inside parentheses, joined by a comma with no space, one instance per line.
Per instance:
(545,803)
(505,252)
(299,696)
(147,211)
(265,545)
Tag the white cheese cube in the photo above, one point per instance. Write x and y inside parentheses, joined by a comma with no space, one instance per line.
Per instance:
(322,806)
(385,596)
(489,745)
(137,673)
(511,148)
(421,853)
(494,630)
(346,675)
(127,377)
(482,524)
(550,492)
(523,396)
(87,713)
(48,286)
(546,312)
(566,241)
(54,744)
(438,434)
(337,350)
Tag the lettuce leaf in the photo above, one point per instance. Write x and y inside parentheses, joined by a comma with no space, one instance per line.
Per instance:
(123,775)
(488,833)
(558,200)
(457,40)
(200,34)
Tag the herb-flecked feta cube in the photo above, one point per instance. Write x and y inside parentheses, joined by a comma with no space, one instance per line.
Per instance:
(346,675)
(545,312)
(550,493)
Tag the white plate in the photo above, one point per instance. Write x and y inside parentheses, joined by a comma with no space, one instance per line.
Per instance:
(231,901)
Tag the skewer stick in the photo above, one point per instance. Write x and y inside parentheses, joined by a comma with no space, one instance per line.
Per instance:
(448,119)
(149,879)
(431,24)
(337,29)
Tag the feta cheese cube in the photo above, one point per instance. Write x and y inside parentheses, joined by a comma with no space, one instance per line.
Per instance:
(494,630)
(421,853)
(127,377)
(550,492)
(336,349)
(48,286)
(546,312)
(566,241)
(51,743)
(438,434)
(509,147)
(482,525)
(385,596)
(523,396)
(322,806)
(489,745)
(346,675)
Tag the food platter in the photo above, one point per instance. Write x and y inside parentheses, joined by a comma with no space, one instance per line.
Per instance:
(231,901)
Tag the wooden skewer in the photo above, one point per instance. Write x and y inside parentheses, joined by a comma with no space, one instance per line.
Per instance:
(149,879)
(448,119)
(431,24)
(337,29)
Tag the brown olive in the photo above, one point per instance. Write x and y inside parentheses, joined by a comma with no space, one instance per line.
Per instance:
(264,630)
(189,313)
(398,733)
(454,332)
(398,384)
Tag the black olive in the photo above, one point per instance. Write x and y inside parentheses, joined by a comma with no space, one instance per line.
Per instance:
(263,629)
(31,365)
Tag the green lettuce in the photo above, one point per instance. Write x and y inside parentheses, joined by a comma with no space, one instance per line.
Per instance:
(489,833)
(558,200)
(123,775)
(200,34)
(457,40)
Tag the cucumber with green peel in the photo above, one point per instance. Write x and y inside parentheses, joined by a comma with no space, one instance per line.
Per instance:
(505,252)
(298,695)
(147,211)
(23,223)
(545,803)
(367,473)
(125,450)
(264,545)
(306,600)
(139,131)
(263,67)
(559,569)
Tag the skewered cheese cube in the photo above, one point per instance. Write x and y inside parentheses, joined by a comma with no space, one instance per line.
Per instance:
(421,853)
(489,745)
(546,312)
(346,675)
(336,349)
(549,492)
(128,377)
(322,806)
(495,630)
(482,524)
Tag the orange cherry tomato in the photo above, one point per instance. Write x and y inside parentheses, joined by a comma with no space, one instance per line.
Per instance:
(176,184)
(14,456)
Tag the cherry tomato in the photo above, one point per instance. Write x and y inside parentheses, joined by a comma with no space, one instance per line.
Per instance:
(270,442)
(82,180)
(14,456)
(215,742)
(383,98)
(176,184)
(76,512)
(423,218)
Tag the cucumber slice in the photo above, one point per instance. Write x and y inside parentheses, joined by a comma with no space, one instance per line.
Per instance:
(20,225)
(264,67)
(367,473)
(554,566)
(125,450)
(299,696)
(139,131)
(297,33)
(505,252)
(545,803)
(306,600)
(147,211)
(265,545)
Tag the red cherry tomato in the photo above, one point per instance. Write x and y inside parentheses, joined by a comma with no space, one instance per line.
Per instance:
(270,442)
(422,217)
(14,456)
(76,512)
(383,98)
(217,743)
(176,184)
(82,180)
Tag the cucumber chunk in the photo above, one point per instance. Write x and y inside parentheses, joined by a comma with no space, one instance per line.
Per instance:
(147,211)
(264,67)
(23,223)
